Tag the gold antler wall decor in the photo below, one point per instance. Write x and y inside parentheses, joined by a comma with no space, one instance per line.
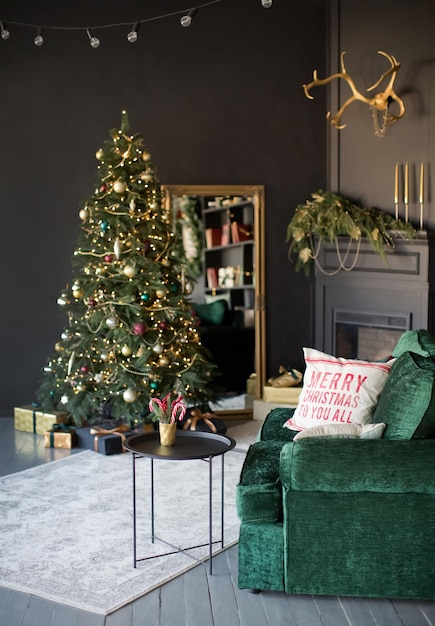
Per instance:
(379,103)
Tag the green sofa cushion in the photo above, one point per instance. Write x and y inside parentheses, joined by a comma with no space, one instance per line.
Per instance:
(272,427)
(211,312)
(407,402)
(418,341)
(352,465)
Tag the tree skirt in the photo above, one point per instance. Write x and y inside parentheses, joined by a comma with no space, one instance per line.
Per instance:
(66,530)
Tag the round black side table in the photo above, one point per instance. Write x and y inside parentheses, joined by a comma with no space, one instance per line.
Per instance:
(189,445)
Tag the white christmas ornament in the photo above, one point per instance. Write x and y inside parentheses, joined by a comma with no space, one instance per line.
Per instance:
(64,399)
(158,348)
(129,395)
(117,247)
(99,378)
(111,322)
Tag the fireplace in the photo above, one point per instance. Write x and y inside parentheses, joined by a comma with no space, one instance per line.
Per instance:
(363,312)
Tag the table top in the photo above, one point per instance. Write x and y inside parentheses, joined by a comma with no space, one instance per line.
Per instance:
(188,445)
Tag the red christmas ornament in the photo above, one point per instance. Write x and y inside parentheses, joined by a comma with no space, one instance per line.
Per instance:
(108,258)
(139,328)
(84,369)
(103,188)
(92,302)
(162,325)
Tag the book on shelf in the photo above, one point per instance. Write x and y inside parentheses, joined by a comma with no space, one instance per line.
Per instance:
(241,232)
(213,237)
(225,237)
(212,277)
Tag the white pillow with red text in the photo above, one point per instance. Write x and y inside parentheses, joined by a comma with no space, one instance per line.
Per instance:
(338,391)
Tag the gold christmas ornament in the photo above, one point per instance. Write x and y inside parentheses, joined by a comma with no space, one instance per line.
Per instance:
(99,154)
(146,156)
(163,361)
(83,214)
(126,350)
(119,186)
(146,177)
(161,293)
(130,271)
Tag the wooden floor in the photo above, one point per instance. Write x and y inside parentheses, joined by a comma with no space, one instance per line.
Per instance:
(196,598)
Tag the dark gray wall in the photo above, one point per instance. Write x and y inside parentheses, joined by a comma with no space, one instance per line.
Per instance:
(363,165)
(219,102)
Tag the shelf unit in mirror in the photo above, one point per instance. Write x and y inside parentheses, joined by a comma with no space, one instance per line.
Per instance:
(232,254)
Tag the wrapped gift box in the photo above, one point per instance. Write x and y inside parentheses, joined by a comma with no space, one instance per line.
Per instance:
(32,419)
(282,395)
(60,438)
(104,438)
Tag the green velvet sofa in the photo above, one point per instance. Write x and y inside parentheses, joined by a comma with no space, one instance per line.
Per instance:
(347,516)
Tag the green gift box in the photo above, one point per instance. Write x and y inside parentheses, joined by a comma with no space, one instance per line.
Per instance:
(32,419)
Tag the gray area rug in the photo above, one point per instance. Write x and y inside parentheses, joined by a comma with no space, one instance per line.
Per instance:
(66,526)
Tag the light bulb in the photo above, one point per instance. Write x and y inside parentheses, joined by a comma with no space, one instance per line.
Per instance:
(94,41)
(39,39)
(186,20)
(266,3)
(4,31)
(132,35)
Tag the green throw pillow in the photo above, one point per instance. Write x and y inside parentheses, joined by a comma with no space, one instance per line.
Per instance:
(407,402)
(211,313)
(418,341)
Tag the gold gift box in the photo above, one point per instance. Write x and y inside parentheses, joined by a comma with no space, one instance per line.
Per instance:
(59,439)
(33,420)
(282,395)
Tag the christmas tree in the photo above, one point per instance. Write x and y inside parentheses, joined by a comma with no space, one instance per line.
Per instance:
(131,334)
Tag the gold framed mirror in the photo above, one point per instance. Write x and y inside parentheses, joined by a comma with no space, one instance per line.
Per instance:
(232,255)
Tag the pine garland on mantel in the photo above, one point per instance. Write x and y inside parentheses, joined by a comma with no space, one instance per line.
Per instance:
(328,216)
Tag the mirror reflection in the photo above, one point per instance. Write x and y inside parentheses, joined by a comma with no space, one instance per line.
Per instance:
(221,240)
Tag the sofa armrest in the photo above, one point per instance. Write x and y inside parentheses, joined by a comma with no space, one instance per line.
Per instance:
(352,465)
(258,495)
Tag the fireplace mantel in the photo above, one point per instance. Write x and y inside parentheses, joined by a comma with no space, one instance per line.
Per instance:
(396,293)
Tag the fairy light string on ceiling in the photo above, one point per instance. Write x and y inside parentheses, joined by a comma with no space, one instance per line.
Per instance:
(132,35)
